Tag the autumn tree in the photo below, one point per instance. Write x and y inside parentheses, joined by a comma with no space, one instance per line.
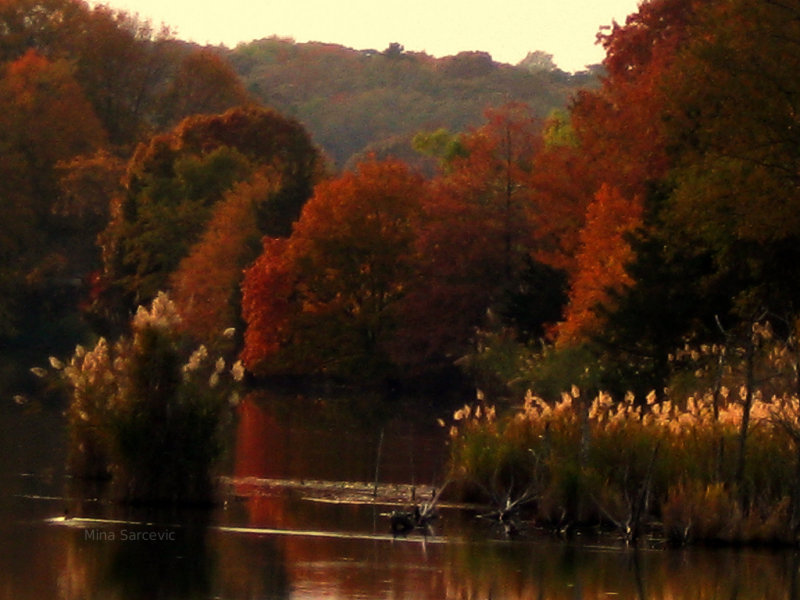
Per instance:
(602,264)
(621,156)
(620,127)
(268,307)
(206,285)
(175,181)
(41,25)
(326,300)
(45,119)
(564,183)
(121,62)
(138,77)
(475,237)
(696,118)
(203,84)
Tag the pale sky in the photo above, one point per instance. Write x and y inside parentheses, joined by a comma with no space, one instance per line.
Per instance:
(507,29)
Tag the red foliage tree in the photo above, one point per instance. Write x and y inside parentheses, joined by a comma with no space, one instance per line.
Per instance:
(475,236)
(621,154)
(620,127)
(563,187)
(325,300)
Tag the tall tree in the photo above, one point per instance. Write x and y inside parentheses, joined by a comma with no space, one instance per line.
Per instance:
(120,61)
(327,299)
(45,119)
(123,63)
(475,237)
(174,182)
(625,160)
(206,285)
(733,126)
(42,25)
(620,126)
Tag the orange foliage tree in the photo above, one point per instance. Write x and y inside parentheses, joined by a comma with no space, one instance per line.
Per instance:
(205,286)
(601,264)
(620,127)
(326,299)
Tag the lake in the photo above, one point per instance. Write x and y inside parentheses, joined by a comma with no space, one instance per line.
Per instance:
(301,517)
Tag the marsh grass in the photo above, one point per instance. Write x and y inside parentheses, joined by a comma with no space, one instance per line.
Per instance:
(148,410)
(670,465)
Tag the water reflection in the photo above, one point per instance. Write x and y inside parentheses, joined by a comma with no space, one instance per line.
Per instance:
(137,561)
(337,439)
(293,542)
(557,572)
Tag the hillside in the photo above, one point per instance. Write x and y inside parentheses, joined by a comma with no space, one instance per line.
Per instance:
(359,101)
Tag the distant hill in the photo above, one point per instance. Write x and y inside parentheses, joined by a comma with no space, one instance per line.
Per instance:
(360,101)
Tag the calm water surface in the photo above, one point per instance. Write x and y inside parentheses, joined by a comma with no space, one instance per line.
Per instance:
(299,522)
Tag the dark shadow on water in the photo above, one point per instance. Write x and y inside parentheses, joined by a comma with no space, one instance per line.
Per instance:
(158,562)
(170,554)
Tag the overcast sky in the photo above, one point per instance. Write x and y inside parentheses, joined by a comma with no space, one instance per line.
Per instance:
(507,29)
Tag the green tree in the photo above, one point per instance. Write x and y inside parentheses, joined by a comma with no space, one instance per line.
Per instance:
(732,124)
(175,181)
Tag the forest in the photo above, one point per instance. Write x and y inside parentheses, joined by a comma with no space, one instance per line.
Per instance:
(625,233)
(87,90)
(361,102)
(651,211)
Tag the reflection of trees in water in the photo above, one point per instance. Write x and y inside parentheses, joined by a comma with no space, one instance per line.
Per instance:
(109,562)
(559,571)
(251,567)
(203,562)
(187,567)
(336,439)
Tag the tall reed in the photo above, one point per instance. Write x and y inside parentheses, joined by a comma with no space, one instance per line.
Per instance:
(668,467)
(148,409)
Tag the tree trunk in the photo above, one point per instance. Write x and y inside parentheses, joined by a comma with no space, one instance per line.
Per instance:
(748,403)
